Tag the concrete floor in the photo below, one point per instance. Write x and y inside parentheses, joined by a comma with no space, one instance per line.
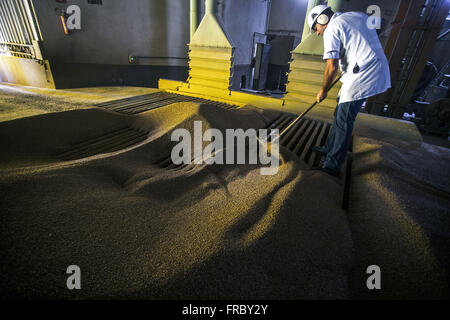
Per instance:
(20,101)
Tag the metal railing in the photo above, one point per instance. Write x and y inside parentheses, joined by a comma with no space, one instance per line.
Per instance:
(19,29)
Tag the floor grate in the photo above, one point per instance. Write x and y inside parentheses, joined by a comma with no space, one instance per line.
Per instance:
(113,141)
(302,136)
(139,104)
(167,164)
(306,134)
(299,139)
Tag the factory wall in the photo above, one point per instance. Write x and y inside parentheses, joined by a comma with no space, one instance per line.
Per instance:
(285,30)
(287,18)
(242,19)
(111,32)
(98,53)
(388,12)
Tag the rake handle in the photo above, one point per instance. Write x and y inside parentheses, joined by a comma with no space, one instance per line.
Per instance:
(306,111)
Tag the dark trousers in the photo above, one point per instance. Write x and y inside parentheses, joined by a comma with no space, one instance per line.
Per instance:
(338,140)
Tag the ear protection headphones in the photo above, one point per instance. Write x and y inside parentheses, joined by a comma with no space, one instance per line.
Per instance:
(323,19)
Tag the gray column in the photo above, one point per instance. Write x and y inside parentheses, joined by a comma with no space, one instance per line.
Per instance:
(194,16)
(311,4)
(211,7)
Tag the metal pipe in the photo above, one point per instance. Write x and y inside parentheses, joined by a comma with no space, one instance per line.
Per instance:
(269,8)
(22,23)
(23,14)
(435,15)
(211,7)
(407,16)
(194,17)
(5,34)
(17,53)
(32,19)
(16,44)
(8,23)
(16,22)
(413,46)
(443,34)
(36,21)
(147,57)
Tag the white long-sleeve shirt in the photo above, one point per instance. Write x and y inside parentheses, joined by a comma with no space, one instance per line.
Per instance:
(349,39)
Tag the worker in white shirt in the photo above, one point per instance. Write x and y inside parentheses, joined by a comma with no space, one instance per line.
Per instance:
(351,44)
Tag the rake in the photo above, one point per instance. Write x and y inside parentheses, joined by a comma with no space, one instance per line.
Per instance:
(301,115)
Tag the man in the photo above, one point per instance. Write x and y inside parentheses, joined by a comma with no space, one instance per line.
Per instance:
(351,44)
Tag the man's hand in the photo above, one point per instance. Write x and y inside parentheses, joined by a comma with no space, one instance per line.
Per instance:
(331,69)
(322,95)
